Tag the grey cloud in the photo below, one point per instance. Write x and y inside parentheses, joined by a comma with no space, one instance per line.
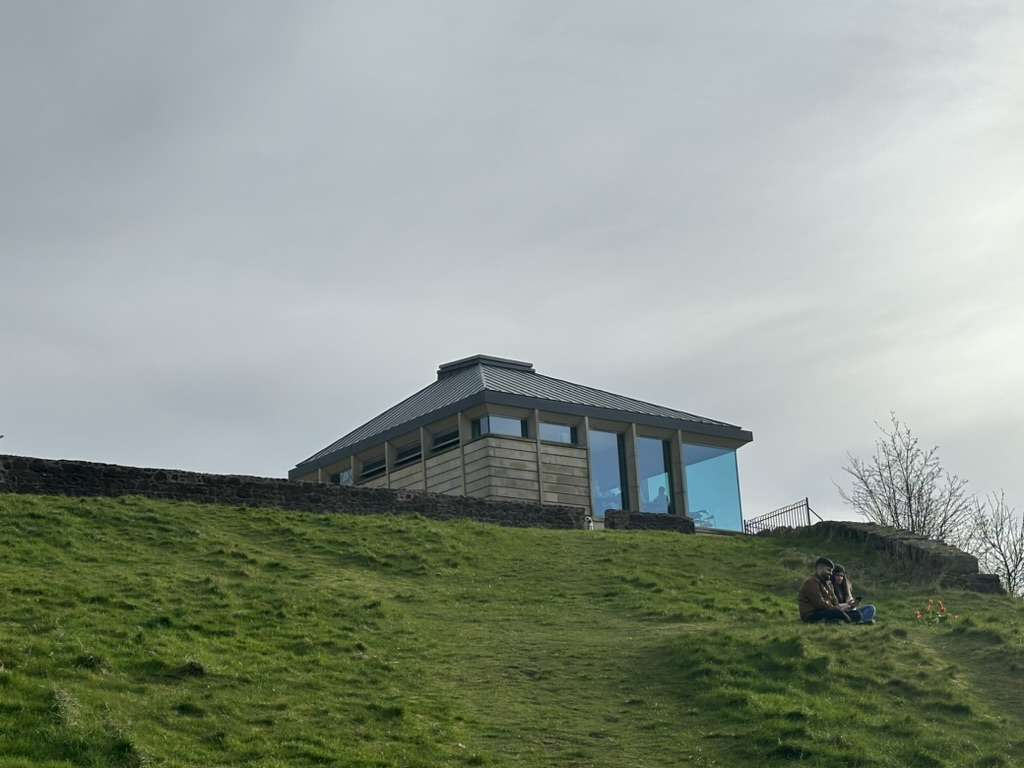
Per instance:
(229,233)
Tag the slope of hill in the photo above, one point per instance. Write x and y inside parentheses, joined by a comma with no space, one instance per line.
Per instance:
(138,633)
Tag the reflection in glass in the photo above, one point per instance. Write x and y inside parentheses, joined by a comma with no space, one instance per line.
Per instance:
(499,425)
(341,478)
(607,472)
(557,433)
(654,457)
(713,487)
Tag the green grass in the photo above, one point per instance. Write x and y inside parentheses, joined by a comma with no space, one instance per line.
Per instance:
(141,633)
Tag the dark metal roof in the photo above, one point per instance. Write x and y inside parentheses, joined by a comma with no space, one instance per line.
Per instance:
(467,382)
(451,389)
(516,382)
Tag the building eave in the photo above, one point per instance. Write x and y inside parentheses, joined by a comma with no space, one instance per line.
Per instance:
(720,431)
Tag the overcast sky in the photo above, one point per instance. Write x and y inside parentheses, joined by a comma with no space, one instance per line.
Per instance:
(232,232)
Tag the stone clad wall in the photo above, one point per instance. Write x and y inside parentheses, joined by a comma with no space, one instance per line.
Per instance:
(565,475)
(22,474)
(502,468)
(444,473)
(917,555)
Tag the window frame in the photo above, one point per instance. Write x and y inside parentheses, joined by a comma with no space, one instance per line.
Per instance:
(478,428)
(445,441)
(669,472)
(371,470)
(413,454)
(625,471)
(573,433)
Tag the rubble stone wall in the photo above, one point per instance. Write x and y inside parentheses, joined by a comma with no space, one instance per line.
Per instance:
(916,555)
(23,474)
(641,521)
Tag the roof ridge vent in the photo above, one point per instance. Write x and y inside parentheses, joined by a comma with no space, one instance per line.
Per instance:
(447,369)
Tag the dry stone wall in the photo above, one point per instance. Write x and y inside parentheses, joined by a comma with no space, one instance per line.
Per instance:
(23,474)
(647,521)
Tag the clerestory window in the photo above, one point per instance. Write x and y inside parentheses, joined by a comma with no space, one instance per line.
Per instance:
(557,433)
(372,469)
(446,441)
(407,456)
(500,425)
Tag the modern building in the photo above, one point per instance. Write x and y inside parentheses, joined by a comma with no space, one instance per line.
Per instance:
(497,429)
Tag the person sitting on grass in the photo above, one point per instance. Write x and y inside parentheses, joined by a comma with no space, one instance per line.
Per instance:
(843,587)
(817,599)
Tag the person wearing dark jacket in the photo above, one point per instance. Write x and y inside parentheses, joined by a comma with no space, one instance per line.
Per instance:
(817,598)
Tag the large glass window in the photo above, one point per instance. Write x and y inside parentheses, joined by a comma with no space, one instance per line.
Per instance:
(713,487)
(557,433)
(654,457)
(607,472)
(499,425)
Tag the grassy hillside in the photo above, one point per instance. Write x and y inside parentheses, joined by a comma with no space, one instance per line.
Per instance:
(137,633)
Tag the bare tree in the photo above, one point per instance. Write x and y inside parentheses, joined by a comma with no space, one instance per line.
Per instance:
(904,486)
(999,541)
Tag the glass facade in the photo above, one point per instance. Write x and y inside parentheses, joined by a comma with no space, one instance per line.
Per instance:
(557,433)
(645,476)
(607,472)
(654,457)
(713,487)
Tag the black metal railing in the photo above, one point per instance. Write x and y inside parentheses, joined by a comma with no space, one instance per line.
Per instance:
(792,516)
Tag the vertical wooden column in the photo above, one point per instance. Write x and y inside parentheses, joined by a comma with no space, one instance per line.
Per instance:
(352,466)
(424,447)
(387,464)
(536,443)
(590,472)
(678,476)
(632,469)
(460,419)
(319,474)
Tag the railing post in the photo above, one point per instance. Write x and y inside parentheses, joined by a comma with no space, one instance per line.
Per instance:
(807,508)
